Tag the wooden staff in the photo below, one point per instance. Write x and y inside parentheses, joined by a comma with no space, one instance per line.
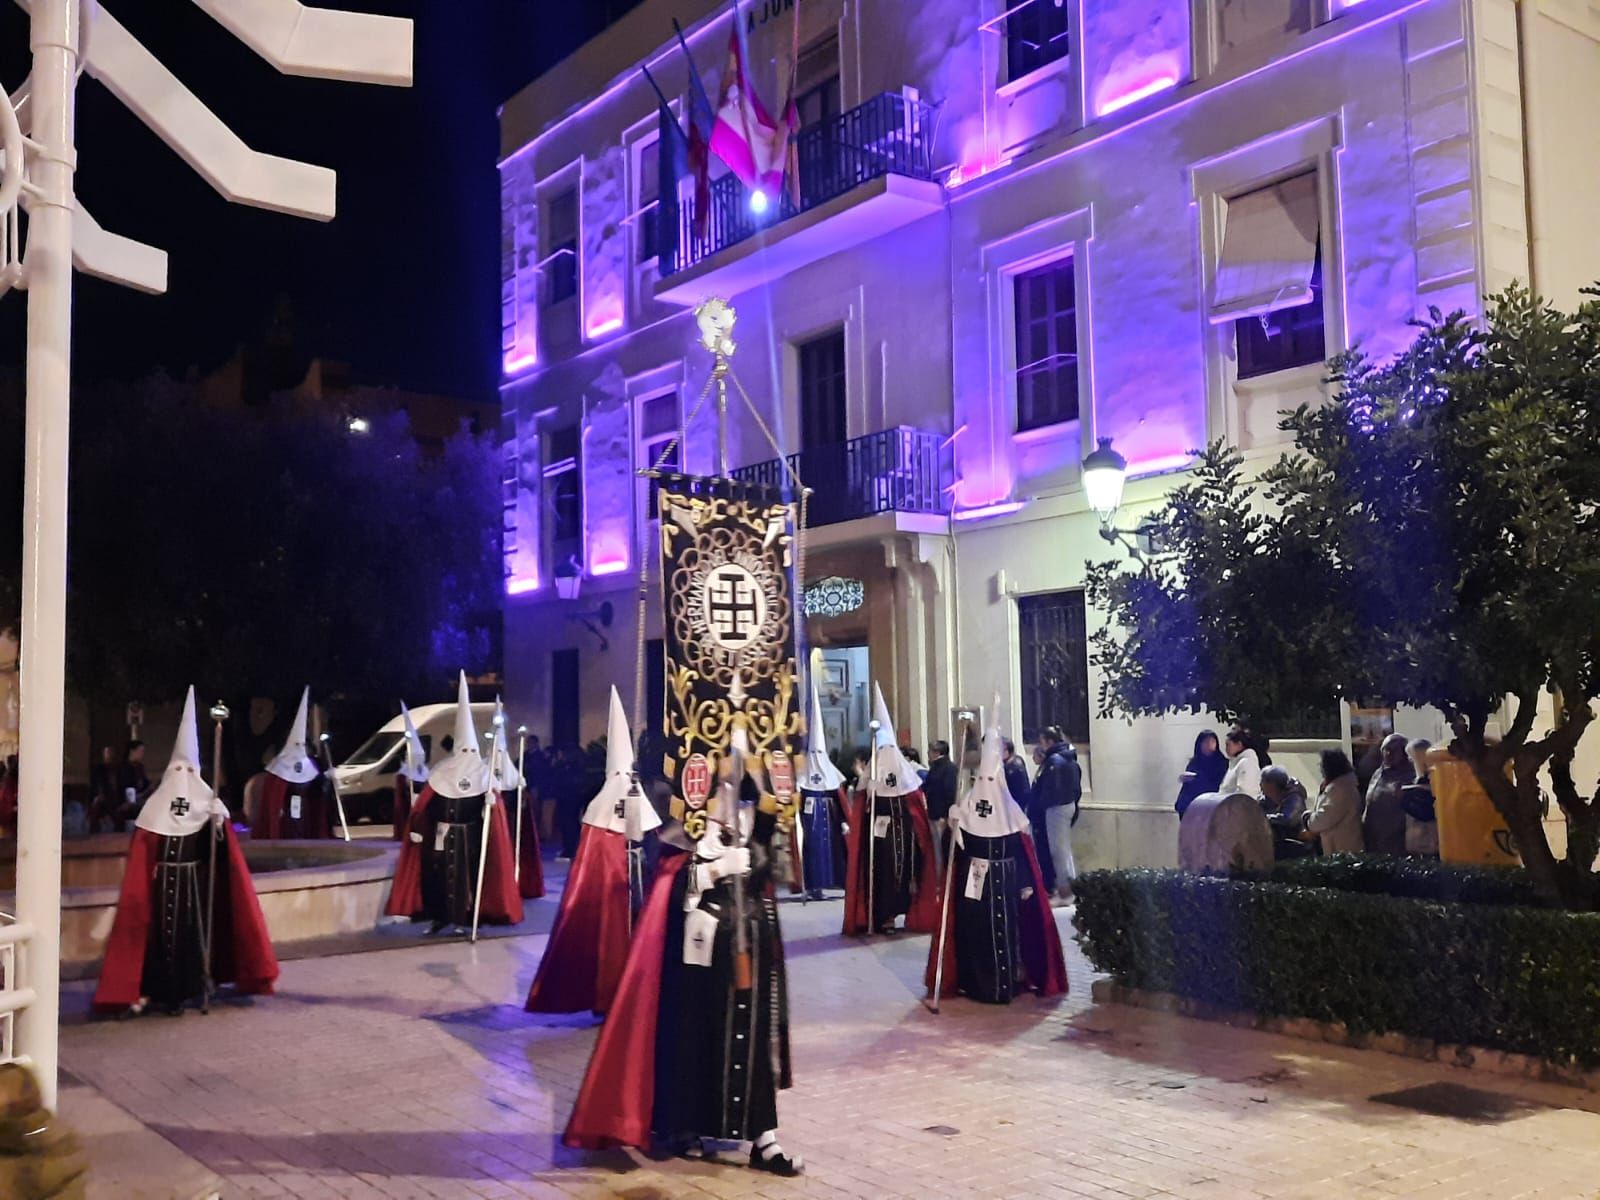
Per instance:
(953,822)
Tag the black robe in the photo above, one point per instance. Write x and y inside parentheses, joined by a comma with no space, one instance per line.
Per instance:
(722,1053)
(988,930)
(897,860)
(450,852)
(174,961)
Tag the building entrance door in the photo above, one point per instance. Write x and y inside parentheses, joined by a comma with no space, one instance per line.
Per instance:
(845,687)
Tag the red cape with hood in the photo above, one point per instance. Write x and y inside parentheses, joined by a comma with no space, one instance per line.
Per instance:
(501,903)
(588,947)
(924,914)
(242,956)
(316,807)
(1042,959)
(531,880)
(615,1103)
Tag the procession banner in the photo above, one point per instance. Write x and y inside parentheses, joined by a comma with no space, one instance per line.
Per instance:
(728,587)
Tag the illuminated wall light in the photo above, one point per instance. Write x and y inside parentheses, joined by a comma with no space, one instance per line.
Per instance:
(514,366)
(975,168)
(1138,92)
(603,326)
(1157,466)
(521,587)
(609,566)
(758,202)
(989,510)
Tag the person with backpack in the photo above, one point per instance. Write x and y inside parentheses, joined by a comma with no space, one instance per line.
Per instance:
(1056,795)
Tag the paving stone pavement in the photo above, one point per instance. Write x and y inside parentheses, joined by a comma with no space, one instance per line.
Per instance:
(414,1073)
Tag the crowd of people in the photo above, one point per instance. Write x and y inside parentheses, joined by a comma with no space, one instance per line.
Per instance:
(1388,808)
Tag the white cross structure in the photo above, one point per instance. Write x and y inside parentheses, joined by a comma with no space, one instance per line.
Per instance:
(37,159)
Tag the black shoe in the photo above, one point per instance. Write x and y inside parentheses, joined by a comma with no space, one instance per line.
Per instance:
(774,1161)
(436,927)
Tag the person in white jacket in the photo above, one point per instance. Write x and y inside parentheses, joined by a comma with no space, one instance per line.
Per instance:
(1244,767)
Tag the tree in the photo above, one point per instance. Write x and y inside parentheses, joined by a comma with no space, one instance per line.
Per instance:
(253,554)
(1433,539)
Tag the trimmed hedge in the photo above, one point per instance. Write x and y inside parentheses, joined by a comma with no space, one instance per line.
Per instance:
(1504,976)
(1414,878)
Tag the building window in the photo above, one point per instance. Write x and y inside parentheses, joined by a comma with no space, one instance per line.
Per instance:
(1046,319)
(660,447)
(1269,277)
(1036,35)
(563,479)
(647,212)
(823,404)
(561,247)
(817,96)
(1055,664)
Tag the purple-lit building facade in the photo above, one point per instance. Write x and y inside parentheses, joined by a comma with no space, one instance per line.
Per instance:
(1021,227)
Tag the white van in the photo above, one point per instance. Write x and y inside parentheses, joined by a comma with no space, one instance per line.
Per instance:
(366,778)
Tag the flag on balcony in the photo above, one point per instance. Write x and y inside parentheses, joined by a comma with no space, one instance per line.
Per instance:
(702,120)
(745,136)
(672,161)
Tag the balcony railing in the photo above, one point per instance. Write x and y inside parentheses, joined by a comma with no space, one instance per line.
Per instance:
(900,470)
(888,135)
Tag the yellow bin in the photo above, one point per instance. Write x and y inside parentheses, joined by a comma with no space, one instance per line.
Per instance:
(1471,829)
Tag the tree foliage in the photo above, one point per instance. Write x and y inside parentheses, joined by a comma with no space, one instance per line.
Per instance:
(253,554)
(1432,539)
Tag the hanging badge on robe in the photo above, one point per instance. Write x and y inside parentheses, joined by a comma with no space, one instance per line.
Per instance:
(977,872)
(880,827)
(294,808)
(699,938)
(810,802)
(441,831)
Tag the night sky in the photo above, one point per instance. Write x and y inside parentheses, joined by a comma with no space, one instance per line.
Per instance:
(403,283)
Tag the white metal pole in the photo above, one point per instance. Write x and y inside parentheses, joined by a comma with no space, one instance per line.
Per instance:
(48,263)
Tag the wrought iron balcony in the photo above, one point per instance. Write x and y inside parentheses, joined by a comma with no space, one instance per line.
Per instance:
(890,134)
(900,470)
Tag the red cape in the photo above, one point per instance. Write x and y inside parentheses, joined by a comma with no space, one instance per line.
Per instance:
(316,805)
(242,957)
(588,946)
(1042,960)
(924,914)
(531,881)
(618,1093)
(501,903)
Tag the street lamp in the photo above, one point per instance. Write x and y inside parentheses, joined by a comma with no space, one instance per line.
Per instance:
(1104,474)
(569,582)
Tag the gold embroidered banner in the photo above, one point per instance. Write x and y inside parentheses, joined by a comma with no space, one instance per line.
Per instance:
(727,582)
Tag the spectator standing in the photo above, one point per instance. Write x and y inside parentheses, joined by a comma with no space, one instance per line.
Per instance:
(8,799)
(939,789)
(133,782)
(105,802)
(1336,820)
(1384,825)
(1016,771)
(1422,822)
(1204,773)
(1057,793)
(570,800)
(1243,773)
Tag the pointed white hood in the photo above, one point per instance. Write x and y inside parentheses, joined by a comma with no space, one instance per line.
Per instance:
(986,807)
(817,772)
(892,774)
(414,763)
(182,801)
(295,762)
(621,805)
(463,774)
(502,770)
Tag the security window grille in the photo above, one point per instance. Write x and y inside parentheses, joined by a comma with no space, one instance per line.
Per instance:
(1046,318)
(563,475)
(1284,337)
(647,212)
(561,247)
(822,391)
(1036,35)
(659,446)
(1055,664)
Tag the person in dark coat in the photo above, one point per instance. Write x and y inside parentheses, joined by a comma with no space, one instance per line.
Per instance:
(1204,773)
(939,789)
(1016,771)
(1384,825)
(1057,793)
